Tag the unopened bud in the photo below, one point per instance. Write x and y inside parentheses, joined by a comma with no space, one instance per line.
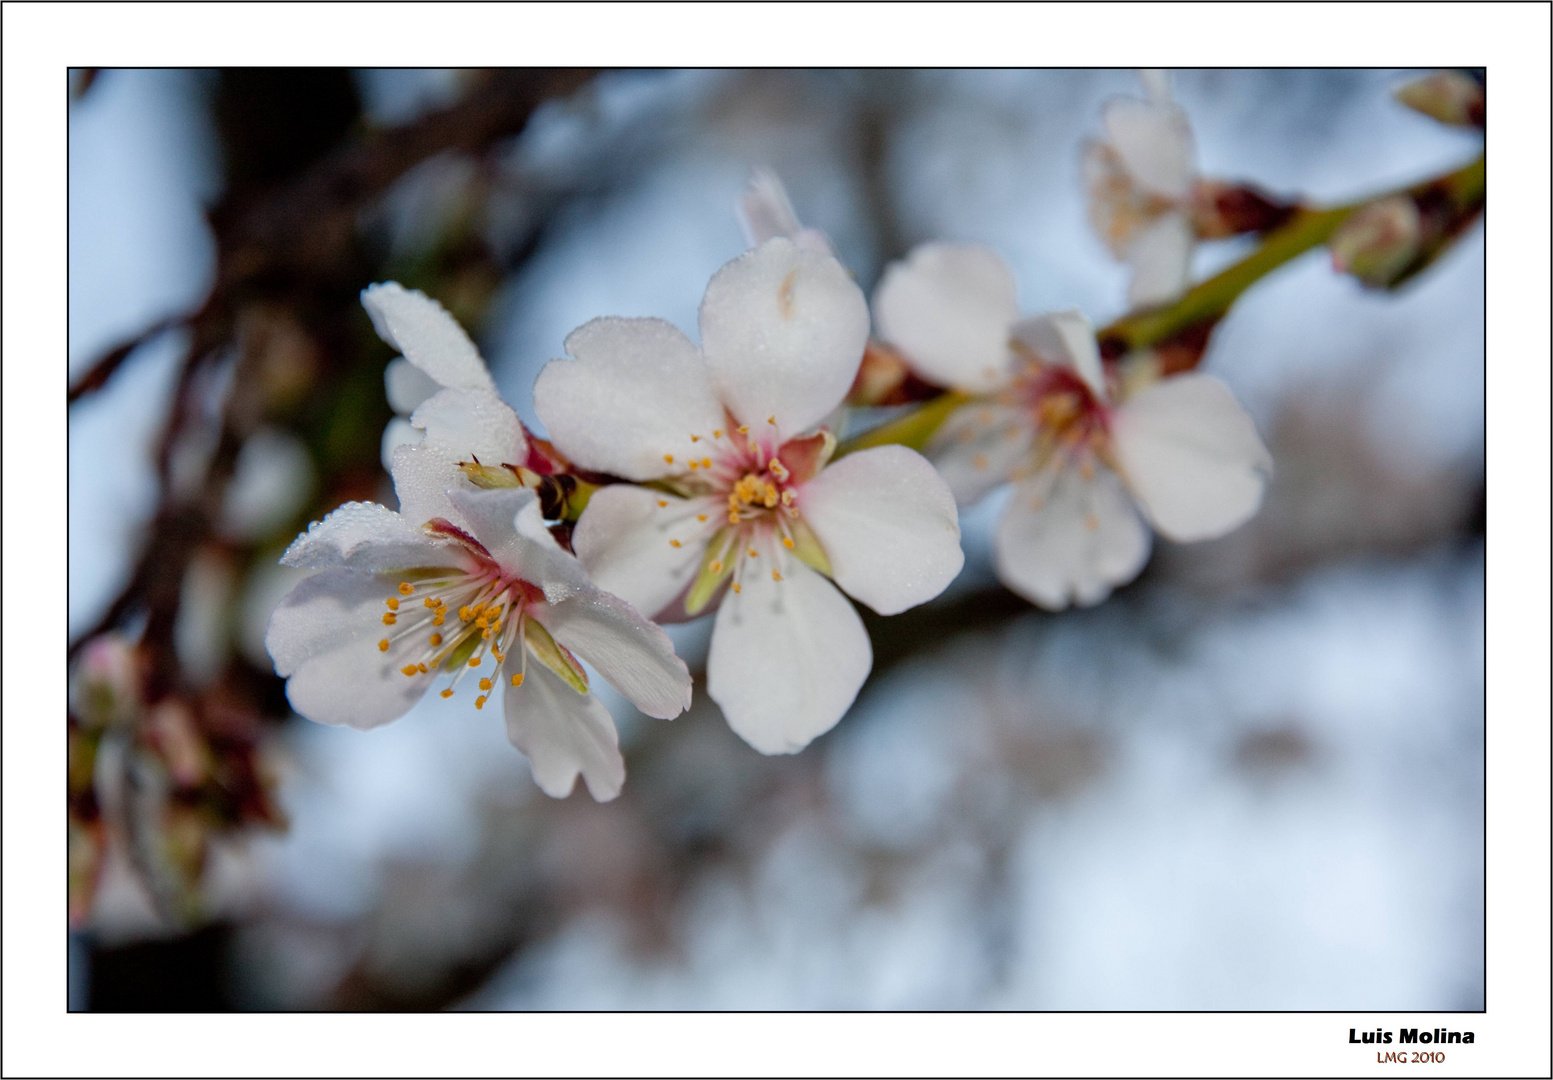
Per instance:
(879,377)
(105,687)
(1377,242)
(1450,97)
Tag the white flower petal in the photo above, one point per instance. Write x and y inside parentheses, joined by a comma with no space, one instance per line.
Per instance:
(1161,260)
(949,307)
(888,525)
(1064,539)
(1155,143)
(407,385)
(765,210)
(366,536)
(623,539)
(561,732)
(423,475)
(473,424)
(323,638)
(636,392)
(1192,456)
(979,447)
(427,335)
(397,433)
(787,659)
(491,516)
(783,332)
(634,656)
(1066,338)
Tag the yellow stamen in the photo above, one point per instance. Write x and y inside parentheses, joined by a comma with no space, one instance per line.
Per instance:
(448,692)
(466,612)
(771,419)
(429,602)
(480,702)
(389,618)
(787,498)
(408,669)
(663,502)
(706,463)
(485,684)
(700,517)
(787,542)
(474,661)
(673,543)
(717,433)
(695,438)
(744,429)
(776,575)
(737,587)
(436,620)
(393,603)
(517,680)
(753,553)
(421,668)
(717,566)
(669,458)
(406,588)
(435,639)
(382,646)
(694,464)
(501,658)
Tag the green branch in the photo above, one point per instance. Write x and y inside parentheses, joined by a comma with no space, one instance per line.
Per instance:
(1462,190)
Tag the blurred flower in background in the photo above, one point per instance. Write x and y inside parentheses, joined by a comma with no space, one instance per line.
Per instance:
(1252,778)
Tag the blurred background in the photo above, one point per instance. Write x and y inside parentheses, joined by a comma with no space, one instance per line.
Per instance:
(1253,779)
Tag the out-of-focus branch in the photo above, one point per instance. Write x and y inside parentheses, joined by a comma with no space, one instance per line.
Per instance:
(97,376)
(292,240)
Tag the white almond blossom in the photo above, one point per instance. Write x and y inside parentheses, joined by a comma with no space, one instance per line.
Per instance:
(734,503)
(1091,460)
(464,584)
(1141,180)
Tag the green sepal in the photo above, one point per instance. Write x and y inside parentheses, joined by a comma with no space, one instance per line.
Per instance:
(554,657)
(806,546)
(460,656)
(720,550)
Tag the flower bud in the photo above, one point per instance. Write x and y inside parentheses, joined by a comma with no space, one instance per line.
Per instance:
(105,687)
(1451,97)
(1378,242)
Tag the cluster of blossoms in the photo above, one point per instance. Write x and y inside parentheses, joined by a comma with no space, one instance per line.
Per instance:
(710,481)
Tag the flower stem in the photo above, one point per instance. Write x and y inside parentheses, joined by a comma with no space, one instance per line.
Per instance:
(1462,189)
(1308,228)
(912,430)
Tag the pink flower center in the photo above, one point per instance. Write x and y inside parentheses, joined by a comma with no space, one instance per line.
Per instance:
(453,618)
(756,476)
